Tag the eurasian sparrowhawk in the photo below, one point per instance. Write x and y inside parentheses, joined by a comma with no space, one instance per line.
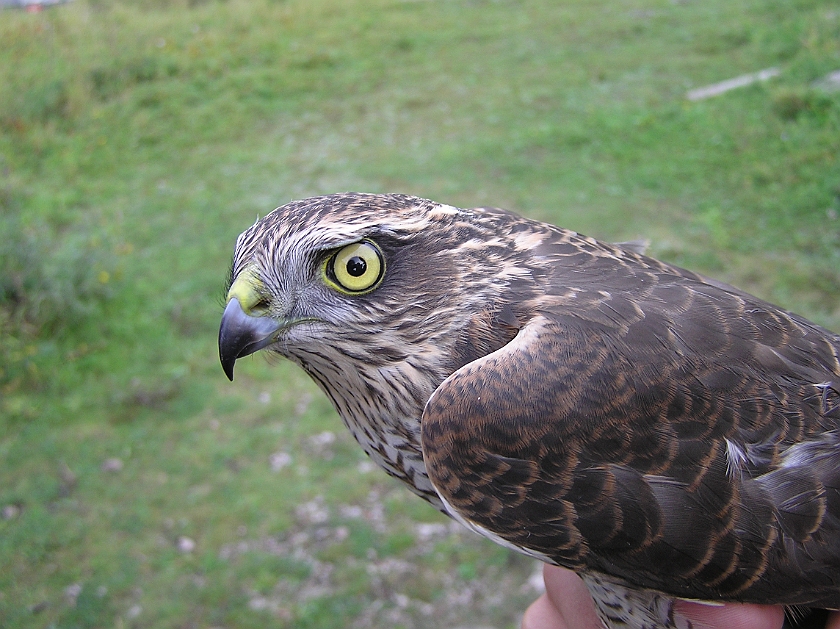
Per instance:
(661,433)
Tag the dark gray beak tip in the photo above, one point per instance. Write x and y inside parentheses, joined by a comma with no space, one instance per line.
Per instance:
(226,357)
(228,368)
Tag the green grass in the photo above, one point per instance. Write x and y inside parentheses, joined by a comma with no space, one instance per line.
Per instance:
(138,139)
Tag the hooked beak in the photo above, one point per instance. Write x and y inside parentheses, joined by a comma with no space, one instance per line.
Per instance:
(241,334)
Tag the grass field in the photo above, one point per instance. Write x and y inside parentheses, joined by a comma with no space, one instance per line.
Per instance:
(138,487)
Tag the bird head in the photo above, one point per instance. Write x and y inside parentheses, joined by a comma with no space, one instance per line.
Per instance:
(354,282)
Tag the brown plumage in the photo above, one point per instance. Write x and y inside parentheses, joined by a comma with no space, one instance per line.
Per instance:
(654,430)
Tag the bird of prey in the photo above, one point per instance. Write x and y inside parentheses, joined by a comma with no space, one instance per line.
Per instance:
(665,435)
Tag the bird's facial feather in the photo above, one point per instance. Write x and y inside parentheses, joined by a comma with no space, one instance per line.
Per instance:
(306,275)
(388,273)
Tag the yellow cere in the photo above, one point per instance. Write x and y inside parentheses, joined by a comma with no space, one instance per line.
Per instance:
(246,289)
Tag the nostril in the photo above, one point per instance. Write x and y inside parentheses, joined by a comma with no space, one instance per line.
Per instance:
(258,309)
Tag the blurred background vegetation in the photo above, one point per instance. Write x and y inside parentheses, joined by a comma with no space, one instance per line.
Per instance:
(138,487)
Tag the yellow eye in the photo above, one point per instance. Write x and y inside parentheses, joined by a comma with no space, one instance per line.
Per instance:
(356,268)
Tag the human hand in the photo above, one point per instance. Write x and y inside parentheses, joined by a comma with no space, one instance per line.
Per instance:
(567,604)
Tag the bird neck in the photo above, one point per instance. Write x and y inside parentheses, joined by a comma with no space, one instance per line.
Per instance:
(382,407)
(381,396)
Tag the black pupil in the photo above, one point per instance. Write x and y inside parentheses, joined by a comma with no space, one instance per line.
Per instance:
(356,266)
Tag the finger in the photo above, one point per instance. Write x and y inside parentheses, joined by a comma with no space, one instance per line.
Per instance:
(569,595)
(542,615)
(732,615)
(833,621)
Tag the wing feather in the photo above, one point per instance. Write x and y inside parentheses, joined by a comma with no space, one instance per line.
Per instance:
(677,435)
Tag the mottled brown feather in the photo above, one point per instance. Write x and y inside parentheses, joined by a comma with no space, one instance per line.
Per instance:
(640,391)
